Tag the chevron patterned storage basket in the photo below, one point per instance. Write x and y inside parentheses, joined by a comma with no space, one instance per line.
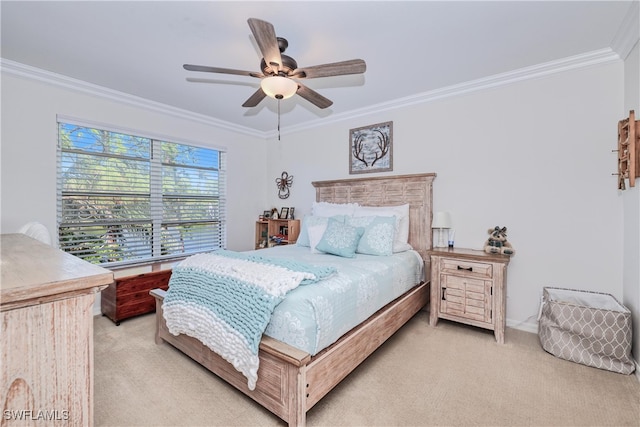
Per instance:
(590,328)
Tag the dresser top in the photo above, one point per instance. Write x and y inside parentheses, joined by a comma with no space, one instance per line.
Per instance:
(32,271)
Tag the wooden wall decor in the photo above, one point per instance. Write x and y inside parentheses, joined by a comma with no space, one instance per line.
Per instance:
(628,151)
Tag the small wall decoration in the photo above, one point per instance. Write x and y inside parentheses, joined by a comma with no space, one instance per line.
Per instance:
(284,182)
(371,148)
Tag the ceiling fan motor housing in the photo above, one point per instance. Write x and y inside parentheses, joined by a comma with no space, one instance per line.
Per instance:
(288,65)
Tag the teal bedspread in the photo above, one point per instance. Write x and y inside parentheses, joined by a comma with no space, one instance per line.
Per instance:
(313,317)
(225,299)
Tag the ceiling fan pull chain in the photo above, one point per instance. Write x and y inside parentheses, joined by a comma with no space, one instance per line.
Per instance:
(278,119)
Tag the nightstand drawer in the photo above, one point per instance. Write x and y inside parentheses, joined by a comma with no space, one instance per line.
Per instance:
(466,284)
(468,268)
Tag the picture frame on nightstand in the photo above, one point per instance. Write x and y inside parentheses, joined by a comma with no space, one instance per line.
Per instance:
(284,213)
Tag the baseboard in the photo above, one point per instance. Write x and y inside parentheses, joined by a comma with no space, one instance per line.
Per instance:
(523,325)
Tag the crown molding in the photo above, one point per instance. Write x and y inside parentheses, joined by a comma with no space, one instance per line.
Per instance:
(44,76)
(629,32)
(598,57)
(602,56)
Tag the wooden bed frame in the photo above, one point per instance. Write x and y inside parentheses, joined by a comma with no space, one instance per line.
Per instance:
(290,381)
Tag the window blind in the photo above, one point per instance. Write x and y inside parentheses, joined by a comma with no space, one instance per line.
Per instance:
(126,199)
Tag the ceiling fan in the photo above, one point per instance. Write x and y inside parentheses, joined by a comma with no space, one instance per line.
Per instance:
(278,71)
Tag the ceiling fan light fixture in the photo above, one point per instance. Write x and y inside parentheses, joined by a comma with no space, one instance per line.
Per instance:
(278,87)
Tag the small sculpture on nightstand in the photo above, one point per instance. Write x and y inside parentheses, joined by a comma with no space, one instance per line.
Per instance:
(497,242)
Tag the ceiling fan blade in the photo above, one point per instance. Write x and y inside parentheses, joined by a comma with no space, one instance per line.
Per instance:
(353,66)
(255,99)
(265,36)
(313,97)
(206,69)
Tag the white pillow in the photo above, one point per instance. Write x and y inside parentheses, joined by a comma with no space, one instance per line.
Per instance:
(315,235)
(331,209)
(401,212)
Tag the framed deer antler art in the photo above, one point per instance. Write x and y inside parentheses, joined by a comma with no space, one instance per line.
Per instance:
(371,148)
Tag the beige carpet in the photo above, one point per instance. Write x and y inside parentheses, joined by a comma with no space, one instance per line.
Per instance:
(451,375)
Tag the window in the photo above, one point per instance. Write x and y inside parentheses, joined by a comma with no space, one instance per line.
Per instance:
(126,199)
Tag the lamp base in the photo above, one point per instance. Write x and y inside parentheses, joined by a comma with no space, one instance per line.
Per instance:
(441,240)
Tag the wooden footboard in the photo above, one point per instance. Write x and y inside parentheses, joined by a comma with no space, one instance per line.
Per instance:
(290,381)
(281,378)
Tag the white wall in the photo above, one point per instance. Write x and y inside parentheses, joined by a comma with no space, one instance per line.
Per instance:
(631,209)
(534,156)
(28,153)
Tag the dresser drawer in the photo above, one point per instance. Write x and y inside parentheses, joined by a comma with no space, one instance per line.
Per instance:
(129,296)
(468,268)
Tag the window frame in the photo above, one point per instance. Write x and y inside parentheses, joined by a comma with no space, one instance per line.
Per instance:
(213,229)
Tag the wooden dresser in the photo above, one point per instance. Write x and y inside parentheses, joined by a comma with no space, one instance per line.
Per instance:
(469,286)
(46,305)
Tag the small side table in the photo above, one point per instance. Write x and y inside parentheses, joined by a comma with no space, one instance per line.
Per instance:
(469,286)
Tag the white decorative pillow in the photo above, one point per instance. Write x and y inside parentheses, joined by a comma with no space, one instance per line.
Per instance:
(315,235)
(378,234)
(340,239)
(401,212)
(311,220)
(331,209)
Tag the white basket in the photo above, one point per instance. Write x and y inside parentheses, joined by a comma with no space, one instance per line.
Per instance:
(589,328)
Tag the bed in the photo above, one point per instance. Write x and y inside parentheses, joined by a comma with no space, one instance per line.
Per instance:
(291,381)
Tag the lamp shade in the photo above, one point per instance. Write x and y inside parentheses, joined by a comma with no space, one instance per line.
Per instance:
(278,87)
(441,220)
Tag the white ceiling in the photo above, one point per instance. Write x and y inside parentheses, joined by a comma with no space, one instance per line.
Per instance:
(411,48)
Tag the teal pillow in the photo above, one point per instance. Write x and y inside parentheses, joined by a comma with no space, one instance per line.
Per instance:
(310,221)
(379,232)
(340,239)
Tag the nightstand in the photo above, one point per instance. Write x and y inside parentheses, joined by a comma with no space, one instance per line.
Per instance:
(469,286)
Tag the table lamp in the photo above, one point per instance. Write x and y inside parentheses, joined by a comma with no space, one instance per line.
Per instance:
(441,220)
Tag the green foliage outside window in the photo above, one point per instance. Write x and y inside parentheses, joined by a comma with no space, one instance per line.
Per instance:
(124,198)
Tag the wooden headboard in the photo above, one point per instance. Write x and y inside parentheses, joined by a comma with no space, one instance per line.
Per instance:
(417,190)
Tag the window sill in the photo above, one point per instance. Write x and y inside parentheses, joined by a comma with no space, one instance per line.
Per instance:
(136,270)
